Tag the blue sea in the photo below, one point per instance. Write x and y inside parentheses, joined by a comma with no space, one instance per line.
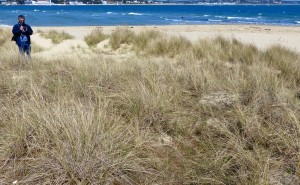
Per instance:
(91,15)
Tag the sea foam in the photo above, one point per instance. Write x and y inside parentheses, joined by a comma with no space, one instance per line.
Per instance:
(133,13)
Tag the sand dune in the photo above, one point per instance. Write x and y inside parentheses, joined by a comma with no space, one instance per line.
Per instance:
(261,36)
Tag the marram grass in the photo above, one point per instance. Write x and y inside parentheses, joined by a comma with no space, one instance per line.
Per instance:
(55,36)
(212,112)
(95,37)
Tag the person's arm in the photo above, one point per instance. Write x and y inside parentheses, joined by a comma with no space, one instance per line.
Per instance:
(29,30)
(16,29)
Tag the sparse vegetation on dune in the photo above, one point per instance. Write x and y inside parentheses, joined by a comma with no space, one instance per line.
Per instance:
(4,33)
(95,37)
(121,36)
(55,36)
(212,112)
(35,48)
(142,39)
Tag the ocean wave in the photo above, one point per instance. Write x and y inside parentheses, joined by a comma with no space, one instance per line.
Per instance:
(61,13)
(174,20)
(234,17)
(242,18)
(206,15)
(298,22)
(36,10)
(201,21)
(250,18)
(219,16)
(111,13)
(214,20)
(133,13)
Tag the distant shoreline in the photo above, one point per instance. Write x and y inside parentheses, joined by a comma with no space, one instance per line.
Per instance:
(155,4)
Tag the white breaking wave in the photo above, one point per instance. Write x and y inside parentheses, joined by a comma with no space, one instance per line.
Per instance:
(174,20)
(111,13)
(239,18)
(298,22)
(133,13)
(214,20)
(234,17)
(196,21)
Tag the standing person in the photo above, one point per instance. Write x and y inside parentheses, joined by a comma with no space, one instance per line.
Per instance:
(22,34)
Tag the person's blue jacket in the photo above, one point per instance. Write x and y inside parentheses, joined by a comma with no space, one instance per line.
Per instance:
(17,32)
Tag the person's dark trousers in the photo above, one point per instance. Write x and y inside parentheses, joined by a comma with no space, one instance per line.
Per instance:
(25,50)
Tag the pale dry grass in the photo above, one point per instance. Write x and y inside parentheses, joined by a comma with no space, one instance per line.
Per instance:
(55,36)
(143,39)
(35,48)
(121,36)
(4,36)
(95,37)
(200,114)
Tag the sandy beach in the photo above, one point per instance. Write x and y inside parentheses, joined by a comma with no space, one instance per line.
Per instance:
(259,35)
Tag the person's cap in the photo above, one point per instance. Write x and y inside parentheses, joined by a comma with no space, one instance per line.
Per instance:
(21,16)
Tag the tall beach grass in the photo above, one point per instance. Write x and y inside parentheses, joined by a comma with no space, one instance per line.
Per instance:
(55,36)
(212,112)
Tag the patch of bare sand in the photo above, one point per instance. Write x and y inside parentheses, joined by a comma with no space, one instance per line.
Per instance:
(54,51)
(41,41)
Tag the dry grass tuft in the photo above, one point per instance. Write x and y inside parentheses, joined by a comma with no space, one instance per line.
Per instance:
(8,49)
(5,35)
(56,37)
(142,40)
(169,46)
(95,37)
(121,36)
(203,113)
(284,60)
(227,50)
(35,48)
